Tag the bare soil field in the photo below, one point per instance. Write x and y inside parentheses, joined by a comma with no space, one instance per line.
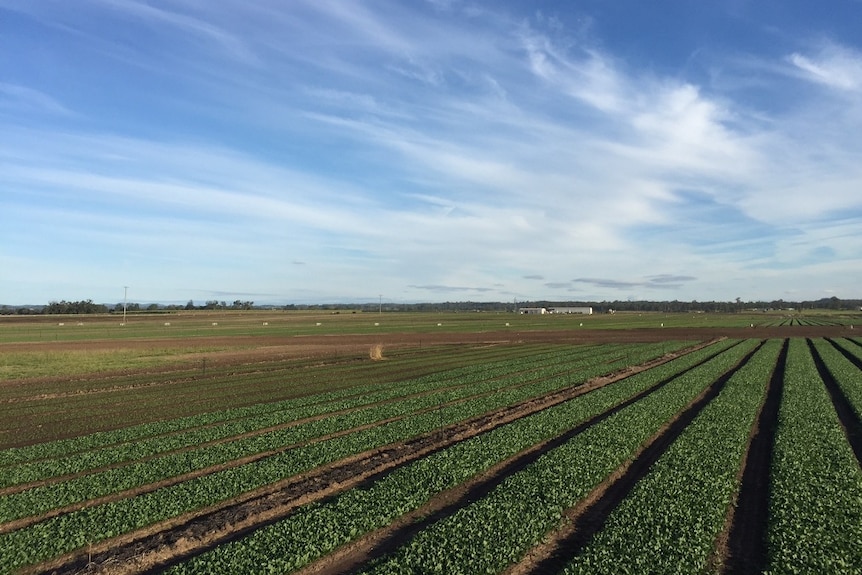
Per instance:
(304,345)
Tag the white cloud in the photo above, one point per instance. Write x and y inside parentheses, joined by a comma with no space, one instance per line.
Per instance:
(590,77)
(833,66)
(681,129)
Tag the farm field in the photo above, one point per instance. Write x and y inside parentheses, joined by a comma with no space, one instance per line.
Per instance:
(431,443)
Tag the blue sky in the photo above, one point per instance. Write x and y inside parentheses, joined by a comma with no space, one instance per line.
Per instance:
(429,150)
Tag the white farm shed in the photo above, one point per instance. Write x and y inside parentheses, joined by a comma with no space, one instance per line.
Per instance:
(580,310)
(532,310)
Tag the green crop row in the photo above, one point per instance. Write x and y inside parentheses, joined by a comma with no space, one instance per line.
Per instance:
(317,529)
(670,520)
(79,528)
(815,506)
(852,346)
(846,374)
(497,530)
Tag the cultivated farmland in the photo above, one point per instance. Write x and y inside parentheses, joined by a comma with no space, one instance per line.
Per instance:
(423,443)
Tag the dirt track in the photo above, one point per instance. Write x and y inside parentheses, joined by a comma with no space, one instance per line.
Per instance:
(309,345)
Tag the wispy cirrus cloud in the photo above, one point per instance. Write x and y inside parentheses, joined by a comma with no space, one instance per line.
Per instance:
(662,281)
(450,288)
(17,99)
(186,24)
(832,65)
(669,279)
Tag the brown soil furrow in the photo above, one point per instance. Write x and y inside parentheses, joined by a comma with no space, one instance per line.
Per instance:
(194,532)
(741,547)
(309,346)
(587,518)
(82,392)
(356,554)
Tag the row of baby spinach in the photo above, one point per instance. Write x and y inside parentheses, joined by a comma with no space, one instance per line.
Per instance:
(670,520)
(497,530)
(851,345)
(847,375)
(815,507)
(76,529)
(316,530)
(41,499)
(132,435)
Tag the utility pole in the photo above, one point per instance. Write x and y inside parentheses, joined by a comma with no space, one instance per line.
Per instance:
(125,294)
(380,305)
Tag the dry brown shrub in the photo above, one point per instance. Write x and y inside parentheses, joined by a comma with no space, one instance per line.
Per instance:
(376,352)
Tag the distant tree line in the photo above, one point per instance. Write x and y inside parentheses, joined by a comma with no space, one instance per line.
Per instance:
(675,306)
(76,307)
(88,307)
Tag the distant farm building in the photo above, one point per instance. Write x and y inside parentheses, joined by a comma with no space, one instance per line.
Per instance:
(532,310)
(579,310)
(544,310)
